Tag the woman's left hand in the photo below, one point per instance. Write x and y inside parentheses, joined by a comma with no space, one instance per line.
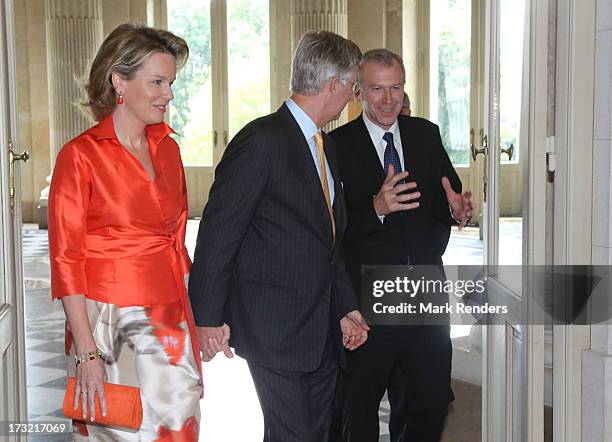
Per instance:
(90,379)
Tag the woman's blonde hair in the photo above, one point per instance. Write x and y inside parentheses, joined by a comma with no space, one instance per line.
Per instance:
(123,52)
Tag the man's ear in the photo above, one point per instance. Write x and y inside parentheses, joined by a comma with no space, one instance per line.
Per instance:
(359,94)
(332,84)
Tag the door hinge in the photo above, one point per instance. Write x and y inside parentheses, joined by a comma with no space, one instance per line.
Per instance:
(551,158)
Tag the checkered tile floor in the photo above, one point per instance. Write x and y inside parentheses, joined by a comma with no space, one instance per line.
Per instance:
(46,364)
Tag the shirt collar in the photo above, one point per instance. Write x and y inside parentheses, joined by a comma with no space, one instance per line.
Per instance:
(309,128)
(377,132)
(156,132)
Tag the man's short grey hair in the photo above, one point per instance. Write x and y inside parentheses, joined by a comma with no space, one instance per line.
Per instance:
(319,57)
(383,57)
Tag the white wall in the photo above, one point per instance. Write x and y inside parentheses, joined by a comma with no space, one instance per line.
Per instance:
(597,363)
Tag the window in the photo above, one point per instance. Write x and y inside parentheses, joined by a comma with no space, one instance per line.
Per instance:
(449,75)
(248,41)
(511,76)
(205,103)
(191,109)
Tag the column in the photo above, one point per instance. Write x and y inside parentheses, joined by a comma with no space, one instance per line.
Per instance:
(319,15)
(74,33)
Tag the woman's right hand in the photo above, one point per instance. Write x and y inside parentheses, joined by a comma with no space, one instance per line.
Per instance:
(90,379)
(90,374)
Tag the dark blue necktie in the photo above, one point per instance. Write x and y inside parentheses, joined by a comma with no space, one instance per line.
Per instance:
(391,155)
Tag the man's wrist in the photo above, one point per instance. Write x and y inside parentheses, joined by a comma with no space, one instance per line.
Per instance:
(381,218)
(452,214)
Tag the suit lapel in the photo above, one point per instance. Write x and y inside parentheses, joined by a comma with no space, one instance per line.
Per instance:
(407,140)
(367,152)
(303,164)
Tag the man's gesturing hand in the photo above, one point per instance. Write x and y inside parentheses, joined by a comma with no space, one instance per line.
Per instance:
(388,198)
(214,340)
(461,205)
(354,330)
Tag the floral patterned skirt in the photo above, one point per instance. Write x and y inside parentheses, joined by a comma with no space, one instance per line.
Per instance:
(150,348)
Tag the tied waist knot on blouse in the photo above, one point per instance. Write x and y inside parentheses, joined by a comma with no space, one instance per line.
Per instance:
(134,270)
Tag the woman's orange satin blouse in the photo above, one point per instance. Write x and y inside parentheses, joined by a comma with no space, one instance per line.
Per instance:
(114,235)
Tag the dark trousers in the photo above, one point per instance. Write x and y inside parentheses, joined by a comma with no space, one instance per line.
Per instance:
(413,363)
(297,405)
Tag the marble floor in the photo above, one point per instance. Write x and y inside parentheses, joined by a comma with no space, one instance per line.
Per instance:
(229,388)
(46,364)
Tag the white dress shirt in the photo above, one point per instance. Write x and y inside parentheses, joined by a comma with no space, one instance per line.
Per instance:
(309,129)
(376,134)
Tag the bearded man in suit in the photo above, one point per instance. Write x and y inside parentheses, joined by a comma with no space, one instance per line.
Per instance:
(402,196)
(266,261)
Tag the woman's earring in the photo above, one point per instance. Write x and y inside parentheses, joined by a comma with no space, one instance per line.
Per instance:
(120,98)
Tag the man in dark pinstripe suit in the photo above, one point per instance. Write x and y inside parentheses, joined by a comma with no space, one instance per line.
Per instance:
(266,260)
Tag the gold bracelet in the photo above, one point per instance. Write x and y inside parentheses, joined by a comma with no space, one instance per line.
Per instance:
(90,356)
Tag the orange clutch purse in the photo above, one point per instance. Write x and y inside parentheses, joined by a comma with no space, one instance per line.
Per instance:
(123,406)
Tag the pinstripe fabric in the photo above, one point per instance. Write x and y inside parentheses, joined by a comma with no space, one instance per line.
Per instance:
(265,259)
(297,405)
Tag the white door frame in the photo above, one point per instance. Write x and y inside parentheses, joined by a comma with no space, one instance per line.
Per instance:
(11,230)
(575,85)
(533,227)
(534,209)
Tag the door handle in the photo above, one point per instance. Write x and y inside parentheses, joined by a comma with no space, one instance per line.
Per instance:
(214,139)
(483,144)
(24,156)
(484,151)
(509,151)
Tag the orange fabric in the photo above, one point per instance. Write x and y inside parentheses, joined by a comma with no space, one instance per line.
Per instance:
(112,232)
(321,156)
(123,406)
(166,329)
(80,426)
(114,235)
(189,432)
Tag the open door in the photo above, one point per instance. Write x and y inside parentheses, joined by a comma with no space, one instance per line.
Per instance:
(514,126)
(13,405)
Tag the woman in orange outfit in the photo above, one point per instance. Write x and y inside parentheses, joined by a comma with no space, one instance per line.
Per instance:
(117,219)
